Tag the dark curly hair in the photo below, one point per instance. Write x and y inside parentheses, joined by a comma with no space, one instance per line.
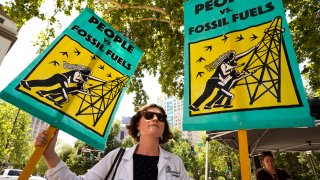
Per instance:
(132,127)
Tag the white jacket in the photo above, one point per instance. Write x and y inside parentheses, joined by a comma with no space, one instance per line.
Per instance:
(170,167)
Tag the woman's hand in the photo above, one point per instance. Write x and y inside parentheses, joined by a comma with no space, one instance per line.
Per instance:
(50,156)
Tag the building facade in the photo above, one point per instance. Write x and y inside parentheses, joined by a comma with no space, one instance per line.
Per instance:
(37,126)
(174,108)
(8,33)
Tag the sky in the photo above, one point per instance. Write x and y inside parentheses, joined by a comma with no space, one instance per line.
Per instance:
(23,53)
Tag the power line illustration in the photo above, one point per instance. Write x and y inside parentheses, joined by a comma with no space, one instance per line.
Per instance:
(102,96)
(266,60)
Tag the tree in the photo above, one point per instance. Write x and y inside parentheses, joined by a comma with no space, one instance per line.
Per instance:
(82,157)
(77,162)
(156,27)
(15,141)
(65,151)
(305,31)
(127,142)
(298,165)
(218,156)
(112,142)
(182,147)
(41,167)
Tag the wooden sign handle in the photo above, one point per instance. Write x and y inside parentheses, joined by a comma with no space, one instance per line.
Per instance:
(244,154)
(36,155)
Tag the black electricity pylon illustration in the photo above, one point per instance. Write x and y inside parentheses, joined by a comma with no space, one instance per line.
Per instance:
(266,59)
(99,97)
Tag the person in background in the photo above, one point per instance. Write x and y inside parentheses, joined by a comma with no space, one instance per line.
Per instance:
(144,161)
(270,172)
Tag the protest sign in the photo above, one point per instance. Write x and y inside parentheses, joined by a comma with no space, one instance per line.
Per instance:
(77,82)
(240,67)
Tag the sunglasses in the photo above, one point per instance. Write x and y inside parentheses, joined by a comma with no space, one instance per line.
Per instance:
(149,115)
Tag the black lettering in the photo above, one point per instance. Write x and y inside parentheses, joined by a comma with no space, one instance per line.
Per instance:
(128,67)
(120,60)
(114,56)
(222,22)
(82,32)
(199,28)
(109,33)
(198,8)
(209,5)
(244,15)
(88,38)
(214,24)
(109,52)
(217,4)
(253,12)
(235,17)
(117,39)
(130,48)
(101,47)
(94,41)
(101,27)
(207,27)
(75,27)
(225,21)
(223,11)
(124,63)
(191,29)
(93,20)
(269,7)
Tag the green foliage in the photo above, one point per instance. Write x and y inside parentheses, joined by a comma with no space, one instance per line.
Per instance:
(156,27)
(79,163)
(218,158)
(41,167)
(127,142)
(65,151)
(177,136)
(15,141)
(112,142)
(305,31)
(298,165)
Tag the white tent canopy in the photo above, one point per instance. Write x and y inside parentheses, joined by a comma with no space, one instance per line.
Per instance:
(280,139)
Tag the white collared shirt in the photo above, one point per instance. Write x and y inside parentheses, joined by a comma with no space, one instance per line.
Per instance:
(170,167)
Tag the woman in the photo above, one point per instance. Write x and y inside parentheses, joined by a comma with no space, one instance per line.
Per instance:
(270,172)
(146,160)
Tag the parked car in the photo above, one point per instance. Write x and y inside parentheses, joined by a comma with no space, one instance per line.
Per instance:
(13,174)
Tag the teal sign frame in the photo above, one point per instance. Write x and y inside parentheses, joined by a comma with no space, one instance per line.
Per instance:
(241,70)
(76,84)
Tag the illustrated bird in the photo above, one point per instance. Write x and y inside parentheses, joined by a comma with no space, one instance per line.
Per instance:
(225,38)
(201,59)
(239,38)
(64,54)
(200,74)
(253,37)
(101,67)
(93,57)
(77,52)
(208,48)
(54,62)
